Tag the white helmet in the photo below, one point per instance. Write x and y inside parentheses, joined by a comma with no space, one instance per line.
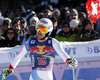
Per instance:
(45,22)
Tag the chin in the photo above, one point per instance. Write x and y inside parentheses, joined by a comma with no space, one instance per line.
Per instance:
(39,37)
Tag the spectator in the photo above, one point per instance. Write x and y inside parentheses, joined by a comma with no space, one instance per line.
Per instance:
(31,31)
(66,15)
(23,23)
(6,25)
(49,7)
(80,28)
(47,14)
(55,28)
(66,34)
(88,33)
(40,15)
(73,14)
(82,16)
(19,33)
(33,21)
(29,16)
(10,38)
(56,15)
(56,19)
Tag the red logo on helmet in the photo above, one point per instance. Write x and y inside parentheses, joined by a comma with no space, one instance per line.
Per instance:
(42,21)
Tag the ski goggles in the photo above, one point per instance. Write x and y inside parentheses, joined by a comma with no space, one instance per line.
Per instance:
(42,29)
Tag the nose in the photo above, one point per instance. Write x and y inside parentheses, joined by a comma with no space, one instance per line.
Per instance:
(39,31)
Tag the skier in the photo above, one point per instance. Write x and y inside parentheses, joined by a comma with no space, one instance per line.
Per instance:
(42,51)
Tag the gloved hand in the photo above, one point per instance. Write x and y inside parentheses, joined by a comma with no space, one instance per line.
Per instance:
(72,62)
(6,72)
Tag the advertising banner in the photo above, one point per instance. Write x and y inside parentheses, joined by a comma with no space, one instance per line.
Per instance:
(87,54)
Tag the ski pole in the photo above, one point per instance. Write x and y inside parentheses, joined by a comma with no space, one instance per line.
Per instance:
(4,74)
(73,69)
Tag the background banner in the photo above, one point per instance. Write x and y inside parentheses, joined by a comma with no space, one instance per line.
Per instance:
(87,53)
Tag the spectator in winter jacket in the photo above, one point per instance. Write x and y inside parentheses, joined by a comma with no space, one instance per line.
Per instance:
(66,34)
(56,15)
(23,23)
(6,25)
(31,31)
(56,19)
(20,33)
(88,33)
(10,38)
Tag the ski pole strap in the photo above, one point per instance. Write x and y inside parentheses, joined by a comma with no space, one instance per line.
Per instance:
(73,69)
(4,74)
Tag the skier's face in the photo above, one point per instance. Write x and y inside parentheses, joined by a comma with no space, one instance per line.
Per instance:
(40,35)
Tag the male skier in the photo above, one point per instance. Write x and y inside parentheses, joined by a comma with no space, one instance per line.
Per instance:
(42,51)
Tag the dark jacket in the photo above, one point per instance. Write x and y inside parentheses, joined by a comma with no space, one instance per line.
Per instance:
(84,36)
(11,43)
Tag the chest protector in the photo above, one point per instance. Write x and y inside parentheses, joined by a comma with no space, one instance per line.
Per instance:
(42,54)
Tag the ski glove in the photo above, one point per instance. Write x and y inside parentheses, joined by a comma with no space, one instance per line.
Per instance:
(6,72)
(72,62)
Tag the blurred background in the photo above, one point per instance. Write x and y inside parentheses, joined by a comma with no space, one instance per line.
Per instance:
(38,5)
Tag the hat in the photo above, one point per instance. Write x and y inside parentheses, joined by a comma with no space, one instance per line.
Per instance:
(34,18)
(31,13)
(22,19)
(65,22)
(73,23)
(16,20)
(74,11)
(86,21)
(82,14)
(6,21)
(56,10)
(49,7)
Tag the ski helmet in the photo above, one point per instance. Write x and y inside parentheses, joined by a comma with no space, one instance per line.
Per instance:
(45,22)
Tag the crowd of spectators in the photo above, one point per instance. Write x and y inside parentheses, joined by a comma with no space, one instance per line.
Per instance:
(69,24)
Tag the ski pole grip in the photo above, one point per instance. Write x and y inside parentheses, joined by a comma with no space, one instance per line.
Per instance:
(4,74)
(72,58)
